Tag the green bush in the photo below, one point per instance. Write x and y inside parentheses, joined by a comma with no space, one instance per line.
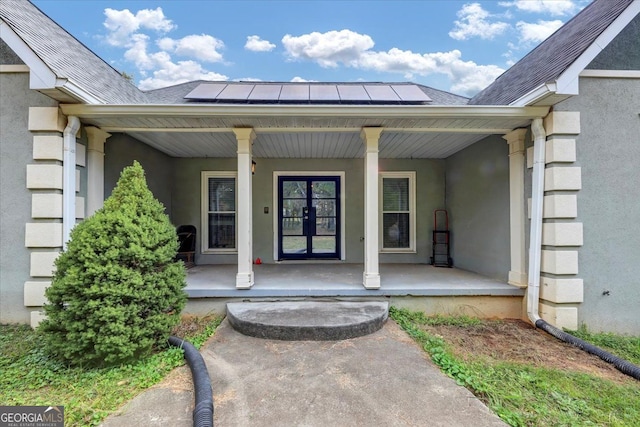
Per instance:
(117,290)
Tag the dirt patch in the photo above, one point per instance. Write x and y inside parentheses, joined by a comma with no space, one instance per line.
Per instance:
(191,325)
(518,341)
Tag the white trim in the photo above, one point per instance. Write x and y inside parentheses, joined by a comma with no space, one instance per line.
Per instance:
(41,76)
(343,186)
(487,131)
(364,111)
(411,176)
(18,68)
(204,212)
(613,74)
(535,95)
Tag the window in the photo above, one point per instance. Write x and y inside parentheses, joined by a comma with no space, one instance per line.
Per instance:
(397,196)
(219,211)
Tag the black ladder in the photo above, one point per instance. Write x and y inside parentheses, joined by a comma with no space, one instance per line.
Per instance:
(441,256)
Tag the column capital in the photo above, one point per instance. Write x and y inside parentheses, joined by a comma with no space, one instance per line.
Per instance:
(97,137)
(515,139)
(371,133)
(244,134)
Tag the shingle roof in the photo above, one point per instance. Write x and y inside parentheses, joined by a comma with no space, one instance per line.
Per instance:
(553,56)
(65,55)
(178,94)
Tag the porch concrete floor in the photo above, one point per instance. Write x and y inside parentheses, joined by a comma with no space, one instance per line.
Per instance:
(331,280)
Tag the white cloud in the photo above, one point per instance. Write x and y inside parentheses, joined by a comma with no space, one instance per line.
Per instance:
(203,47)
(553,7)
(122,24)
(170,73)
(537,32)
(328,49)
(466,77)
(256,44)
(474,22)
(298,79)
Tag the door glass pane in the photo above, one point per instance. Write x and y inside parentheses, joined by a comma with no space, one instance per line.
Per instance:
(395,228)
(294,189)
(292,226)
(324,244)
(222,230)
(326,226)
(323,189)
(222,197)
(325,207)
(293,207)
(294,245)
(395,194)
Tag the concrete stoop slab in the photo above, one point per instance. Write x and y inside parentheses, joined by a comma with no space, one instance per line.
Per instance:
(308,320)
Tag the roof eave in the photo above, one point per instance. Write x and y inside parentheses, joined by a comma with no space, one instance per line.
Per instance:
(567,84)
(382,111)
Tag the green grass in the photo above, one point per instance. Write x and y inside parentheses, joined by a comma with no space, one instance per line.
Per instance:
(626,347)
(523,395)
(29,377)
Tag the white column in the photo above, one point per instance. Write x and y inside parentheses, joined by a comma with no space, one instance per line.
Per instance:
(518,272)
(371,274)
(95,169)
(244,278)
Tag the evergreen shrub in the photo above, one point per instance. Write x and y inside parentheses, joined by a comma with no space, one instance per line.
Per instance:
(117,290)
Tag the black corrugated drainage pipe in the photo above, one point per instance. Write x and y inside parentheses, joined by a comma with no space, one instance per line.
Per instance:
(533,288)
(620,364)
(203,410)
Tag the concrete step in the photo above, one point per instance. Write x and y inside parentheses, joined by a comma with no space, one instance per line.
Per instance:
(308,320)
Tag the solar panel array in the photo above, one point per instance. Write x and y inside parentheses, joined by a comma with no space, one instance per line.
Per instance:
(366,93)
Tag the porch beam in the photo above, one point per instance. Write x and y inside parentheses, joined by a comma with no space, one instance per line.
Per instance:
(488,131)
(244,277)
(517,203)
(371,274)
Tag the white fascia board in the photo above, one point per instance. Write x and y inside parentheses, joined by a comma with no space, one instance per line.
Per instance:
(611,74)
(40,75)
(536,95)
(369,111)
(74,90)
(568,80)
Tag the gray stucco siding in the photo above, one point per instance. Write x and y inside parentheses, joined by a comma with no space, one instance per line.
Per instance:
(477,198)
(121,150)
(16,151)
(608,151)
(623,53)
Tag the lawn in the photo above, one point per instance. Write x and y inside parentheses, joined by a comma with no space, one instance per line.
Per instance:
(527,377)
(88,395)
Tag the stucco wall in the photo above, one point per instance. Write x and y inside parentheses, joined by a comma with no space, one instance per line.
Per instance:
(477,198)
(429,188)
(121,150)
(622,53)
(16,151)
(608,150)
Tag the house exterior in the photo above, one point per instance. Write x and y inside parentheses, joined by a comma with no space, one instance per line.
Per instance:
(330,174)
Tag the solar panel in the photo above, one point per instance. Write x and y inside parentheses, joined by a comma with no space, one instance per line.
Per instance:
(265,92)
(236,92)
(323,92)
(410,93)
(381,93)
(295,92)
(353,93)
(206,91)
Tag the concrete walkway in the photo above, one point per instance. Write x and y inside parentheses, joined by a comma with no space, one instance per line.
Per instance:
(382,379)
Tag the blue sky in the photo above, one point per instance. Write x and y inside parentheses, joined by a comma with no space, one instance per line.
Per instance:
(451,45)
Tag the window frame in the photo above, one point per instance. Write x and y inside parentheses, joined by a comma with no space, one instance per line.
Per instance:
(411,176)
(204,216)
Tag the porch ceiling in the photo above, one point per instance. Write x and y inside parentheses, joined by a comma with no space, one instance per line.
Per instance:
(301,132)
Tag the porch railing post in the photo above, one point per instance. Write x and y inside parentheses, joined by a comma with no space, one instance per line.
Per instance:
(371,274)
(244,278)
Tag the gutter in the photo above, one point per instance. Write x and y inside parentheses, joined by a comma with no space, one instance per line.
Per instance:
(535,252)
(69,179)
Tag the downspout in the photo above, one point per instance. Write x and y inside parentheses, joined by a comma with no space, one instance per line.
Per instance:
(535,253)
(69,179)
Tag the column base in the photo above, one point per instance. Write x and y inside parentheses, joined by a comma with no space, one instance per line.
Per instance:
(517,278)
(371,280)
(244,280)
